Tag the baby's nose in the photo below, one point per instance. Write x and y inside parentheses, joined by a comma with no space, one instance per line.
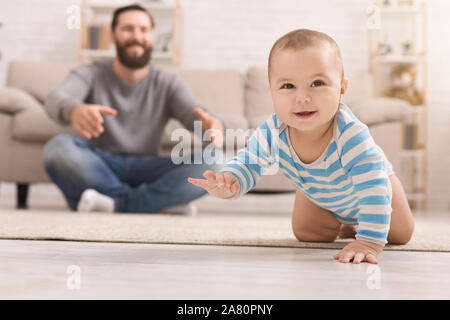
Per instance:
(303,98)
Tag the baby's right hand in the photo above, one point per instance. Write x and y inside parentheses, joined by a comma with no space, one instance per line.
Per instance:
(221,185)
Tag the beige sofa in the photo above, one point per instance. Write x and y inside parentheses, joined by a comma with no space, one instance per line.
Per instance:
(241,100)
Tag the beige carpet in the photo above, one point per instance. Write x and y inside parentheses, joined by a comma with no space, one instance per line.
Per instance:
(220,229)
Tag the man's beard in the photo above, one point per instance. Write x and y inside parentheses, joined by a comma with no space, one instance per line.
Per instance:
(135,62)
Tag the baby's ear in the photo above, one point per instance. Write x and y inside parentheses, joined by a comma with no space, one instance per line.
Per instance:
(344,85)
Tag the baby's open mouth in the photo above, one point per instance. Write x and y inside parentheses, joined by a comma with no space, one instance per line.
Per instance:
(305,114)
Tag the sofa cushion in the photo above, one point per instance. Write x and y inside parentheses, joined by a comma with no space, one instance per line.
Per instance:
(14,100)
(33,125)
(37,77)
(360,88)
(360,97)
(258,101)
(220,91)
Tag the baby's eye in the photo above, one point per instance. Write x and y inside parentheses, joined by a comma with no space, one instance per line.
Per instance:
(317,83)
(287,86)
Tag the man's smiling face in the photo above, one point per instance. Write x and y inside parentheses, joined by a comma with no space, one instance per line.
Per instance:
(133,39)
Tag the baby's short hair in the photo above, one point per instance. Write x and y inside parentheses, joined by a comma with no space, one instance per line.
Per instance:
(301,39)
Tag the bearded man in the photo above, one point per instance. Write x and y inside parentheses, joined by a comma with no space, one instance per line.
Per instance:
(120,108)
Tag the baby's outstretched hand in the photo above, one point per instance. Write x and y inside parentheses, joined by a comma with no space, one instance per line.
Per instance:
(221,185)
(359,251)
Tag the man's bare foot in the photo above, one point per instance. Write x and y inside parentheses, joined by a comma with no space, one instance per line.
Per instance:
(347,231)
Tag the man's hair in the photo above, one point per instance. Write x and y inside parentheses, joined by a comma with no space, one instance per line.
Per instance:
(132,7)
(301,39)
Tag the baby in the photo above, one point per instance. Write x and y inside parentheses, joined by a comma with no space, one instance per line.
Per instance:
(345,184)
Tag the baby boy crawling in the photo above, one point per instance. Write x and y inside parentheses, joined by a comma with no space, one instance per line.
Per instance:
(343,179)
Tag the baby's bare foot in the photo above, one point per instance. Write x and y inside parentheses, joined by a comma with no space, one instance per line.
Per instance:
(347,231)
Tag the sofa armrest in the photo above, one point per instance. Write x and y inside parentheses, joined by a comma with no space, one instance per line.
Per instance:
(380,110)
(14,100)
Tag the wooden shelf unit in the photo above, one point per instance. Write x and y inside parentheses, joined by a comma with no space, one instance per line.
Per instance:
(166,14)
(412,20)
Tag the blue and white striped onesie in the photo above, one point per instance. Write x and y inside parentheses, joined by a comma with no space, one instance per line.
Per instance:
(350,178)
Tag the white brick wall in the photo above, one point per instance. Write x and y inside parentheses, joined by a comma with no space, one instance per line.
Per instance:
(239,33)
(439,103)
(36,30)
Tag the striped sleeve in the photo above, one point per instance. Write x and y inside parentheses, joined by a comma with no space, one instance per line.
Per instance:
(259,157)
(365,163)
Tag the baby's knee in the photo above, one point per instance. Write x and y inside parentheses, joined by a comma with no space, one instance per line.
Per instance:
(308,234)
(402,237)
(399,240)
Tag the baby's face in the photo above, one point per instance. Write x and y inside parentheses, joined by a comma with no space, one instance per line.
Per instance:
(306,86)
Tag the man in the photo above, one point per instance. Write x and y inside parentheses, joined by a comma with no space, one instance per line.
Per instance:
(121,108)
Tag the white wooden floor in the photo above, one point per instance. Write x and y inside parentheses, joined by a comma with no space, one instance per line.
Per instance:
(81,270)
(88,270)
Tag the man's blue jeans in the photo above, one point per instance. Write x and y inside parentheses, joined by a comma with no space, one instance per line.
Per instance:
(136,183)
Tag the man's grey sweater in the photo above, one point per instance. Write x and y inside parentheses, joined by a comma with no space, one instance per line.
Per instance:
(143,109)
